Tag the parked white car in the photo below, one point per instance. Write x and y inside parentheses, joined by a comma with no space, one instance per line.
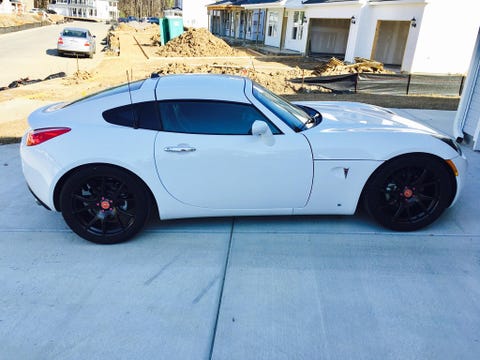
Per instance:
(76,41)
(211,145)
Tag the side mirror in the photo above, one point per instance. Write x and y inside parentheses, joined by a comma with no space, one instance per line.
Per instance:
(262,130)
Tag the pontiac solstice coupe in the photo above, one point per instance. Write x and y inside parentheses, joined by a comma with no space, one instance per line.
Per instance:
(199,145)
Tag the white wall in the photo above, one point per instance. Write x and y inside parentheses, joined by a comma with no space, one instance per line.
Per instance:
(441,43)
(103,9)
(295,44)
(446,37)
(6,7)
(195,13)
(394,11)
(274,39)
(468,113)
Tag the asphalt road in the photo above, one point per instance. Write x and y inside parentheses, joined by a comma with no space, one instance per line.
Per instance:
(32,53)
(319,287)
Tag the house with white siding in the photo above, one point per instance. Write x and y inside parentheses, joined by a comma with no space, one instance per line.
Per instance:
(417,36)
(194,13)
(15,6)
(86,9)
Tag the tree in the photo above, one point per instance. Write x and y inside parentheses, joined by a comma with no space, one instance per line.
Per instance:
(41,4)
(141,8)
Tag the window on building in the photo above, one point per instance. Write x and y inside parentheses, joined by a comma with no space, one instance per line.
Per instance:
(272,24)
(298,23)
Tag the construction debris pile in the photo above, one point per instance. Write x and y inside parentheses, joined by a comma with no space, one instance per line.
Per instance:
(277,81)
(28,81)
(195,43)
(113,44)
(337,67)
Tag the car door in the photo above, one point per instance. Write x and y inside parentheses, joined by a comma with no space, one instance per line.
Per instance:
(207,157)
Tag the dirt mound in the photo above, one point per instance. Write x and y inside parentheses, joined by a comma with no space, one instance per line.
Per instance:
(77,77)
(125,27)
(277,81)
(337,67)
(196,43)
(7,20)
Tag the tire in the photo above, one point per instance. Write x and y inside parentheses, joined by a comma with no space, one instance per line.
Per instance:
(409,192)
(104,204)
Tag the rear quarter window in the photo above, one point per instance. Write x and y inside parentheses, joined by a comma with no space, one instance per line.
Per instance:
(142,115)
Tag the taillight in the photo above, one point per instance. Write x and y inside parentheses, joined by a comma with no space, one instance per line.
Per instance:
(60,41)
(38,136)
(87,44)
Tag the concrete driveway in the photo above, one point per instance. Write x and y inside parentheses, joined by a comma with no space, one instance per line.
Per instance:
(327,287)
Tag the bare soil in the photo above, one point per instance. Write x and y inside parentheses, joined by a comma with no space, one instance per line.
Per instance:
(7,20)
(135,53)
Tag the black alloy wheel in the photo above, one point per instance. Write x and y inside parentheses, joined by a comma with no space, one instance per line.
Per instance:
(409,192)
(105,205)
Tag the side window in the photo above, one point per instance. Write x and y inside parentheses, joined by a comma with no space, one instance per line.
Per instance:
(143,115)
(210,117)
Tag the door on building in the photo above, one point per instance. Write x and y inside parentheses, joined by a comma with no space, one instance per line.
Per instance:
(390,41)
(329,36)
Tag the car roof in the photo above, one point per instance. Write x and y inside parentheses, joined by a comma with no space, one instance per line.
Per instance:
(202,86)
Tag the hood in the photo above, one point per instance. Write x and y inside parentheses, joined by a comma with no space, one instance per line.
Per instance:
(359,131)
(351,116)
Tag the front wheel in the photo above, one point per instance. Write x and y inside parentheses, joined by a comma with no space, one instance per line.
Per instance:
(105,205)
(409,192)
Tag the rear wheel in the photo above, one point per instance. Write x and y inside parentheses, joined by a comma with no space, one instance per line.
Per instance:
(105,205)
(409,192)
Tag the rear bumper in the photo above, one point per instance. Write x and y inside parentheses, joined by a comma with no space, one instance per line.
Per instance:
(38,201)
(39,172)
(81,50)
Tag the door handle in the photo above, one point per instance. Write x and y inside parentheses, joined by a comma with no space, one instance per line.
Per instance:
(179,149)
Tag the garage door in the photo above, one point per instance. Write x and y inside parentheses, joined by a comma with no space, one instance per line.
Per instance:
(390,41)
(329,36)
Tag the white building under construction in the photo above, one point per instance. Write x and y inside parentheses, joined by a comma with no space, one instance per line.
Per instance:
(86,9)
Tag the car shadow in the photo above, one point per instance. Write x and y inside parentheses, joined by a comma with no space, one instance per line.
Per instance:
(54,52)
(51,52)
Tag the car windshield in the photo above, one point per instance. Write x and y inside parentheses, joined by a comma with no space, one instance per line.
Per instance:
(75,33)
(292,115)
(108,92)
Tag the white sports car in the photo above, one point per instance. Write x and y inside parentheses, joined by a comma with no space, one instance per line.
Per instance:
(202,145)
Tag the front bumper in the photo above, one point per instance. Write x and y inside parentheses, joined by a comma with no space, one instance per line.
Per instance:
(461,165)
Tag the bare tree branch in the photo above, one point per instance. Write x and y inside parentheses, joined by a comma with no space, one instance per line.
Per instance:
(141,8)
